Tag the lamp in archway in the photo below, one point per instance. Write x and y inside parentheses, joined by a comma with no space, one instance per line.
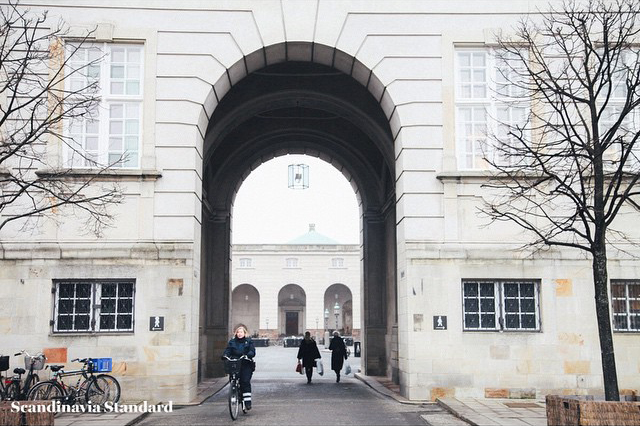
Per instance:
(326,319)
(298,176)
(336,312)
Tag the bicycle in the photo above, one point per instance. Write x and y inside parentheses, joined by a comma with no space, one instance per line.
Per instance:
(93,390)
(13,389)
(4,366)
(232,368)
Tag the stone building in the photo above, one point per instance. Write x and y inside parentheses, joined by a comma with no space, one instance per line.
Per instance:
(311,283)
(201,92)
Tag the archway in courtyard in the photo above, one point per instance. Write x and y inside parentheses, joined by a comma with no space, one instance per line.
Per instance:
(292,303)
(338,309)
(245,307)
(301,98)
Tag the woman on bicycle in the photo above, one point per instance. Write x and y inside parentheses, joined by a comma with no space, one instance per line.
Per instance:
(241,344)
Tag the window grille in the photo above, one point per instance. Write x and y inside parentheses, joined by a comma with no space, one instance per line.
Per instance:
(501,305)
(93,306)
(625,300)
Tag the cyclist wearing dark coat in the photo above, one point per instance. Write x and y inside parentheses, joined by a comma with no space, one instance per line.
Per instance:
(338,354)
(308,352)
(240,345)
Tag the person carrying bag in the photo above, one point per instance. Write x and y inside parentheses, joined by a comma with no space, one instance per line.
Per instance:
(308,353)
(338,354)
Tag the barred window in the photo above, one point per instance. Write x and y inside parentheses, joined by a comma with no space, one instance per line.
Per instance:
(245,262)
(501,305)
(625,298)
(93,306)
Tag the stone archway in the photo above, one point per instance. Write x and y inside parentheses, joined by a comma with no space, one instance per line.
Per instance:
(292,304)
(338,303)
(245,307)
(302,102)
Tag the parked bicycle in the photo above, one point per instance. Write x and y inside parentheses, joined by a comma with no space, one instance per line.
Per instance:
(232,368)
(13,388)
(4,366)
(89,389)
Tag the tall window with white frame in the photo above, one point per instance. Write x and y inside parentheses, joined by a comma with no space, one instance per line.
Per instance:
(488,104)
(112,134)
(614,101)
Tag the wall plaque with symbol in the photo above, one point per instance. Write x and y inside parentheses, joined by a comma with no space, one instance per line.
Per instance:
(439,322)
(156,324)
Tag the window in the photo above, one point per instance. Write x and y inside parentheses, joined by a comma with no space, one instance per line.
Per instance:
(486,103)
(501,305)
(245,262)
(112,133)
(291,262)
(337,262)
(616,100)
(625,297)
(93,305)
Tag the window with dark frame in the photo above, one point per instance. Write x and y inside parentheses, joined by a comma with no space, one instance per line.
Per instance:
(82,306)
(494,305)
(625,300)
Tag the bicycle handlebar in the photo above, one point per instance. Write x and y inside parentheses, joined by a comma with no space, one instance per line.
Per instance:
(235,359)
(38,355)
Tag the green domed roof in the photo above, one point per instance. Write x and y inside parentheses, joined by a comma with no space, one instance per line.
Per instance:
(313,238)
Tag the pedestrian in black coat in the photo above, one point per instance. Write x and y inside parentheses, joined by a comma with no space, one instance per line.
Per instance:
(241,344)
(308,352)
(338,354)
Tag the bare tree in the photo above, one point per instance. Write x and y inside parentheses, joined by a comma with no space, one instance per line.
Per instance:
(36,103)
(569,168)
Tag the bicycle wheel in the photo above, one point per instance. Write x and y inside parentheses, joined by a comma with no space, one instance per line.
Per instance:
(12,391)
(46,391)
(234,399)
(110,385)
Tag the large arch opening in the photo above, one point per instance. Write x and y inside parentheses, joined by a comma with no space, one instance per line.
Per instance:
(338,303)
(292,303)
(245,307)
(301,107)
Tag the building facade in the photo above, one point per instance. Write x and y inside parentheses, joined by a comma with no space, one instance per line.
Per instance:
(309,284)
(198,94)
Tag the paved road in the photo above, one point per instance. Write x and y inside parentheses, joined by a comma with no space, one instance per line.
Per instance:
(282,397)
(293,402)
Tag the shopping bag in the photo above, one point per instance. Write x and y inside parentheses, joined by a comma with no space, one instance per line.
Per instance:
(347,368)
(319,366)
(299,368)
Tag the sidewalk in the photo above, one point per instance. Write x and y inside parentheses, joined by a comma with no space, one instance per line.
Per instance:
(206,389)
(475,411)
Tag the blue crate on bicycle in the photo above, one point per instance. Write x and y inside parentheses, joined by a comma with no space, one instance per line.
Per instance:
(101,365)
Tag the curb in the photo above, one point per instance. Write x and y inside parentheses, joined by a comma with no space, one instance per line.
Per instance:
(378,387)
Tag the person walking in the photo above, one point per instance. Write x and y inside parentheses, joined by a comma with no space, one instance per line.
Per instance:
(241,344)
(338,354)
(308,352)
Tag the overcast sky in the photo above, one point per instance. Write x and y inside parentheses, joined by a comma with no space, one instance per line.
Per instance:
(267,211)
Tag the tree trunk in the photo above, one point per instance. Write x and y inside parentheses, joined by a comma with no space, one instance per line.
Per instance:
(600,279)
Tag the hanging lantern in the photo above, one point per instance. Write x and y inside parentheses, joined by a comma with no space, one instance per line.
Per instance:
(298,176)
